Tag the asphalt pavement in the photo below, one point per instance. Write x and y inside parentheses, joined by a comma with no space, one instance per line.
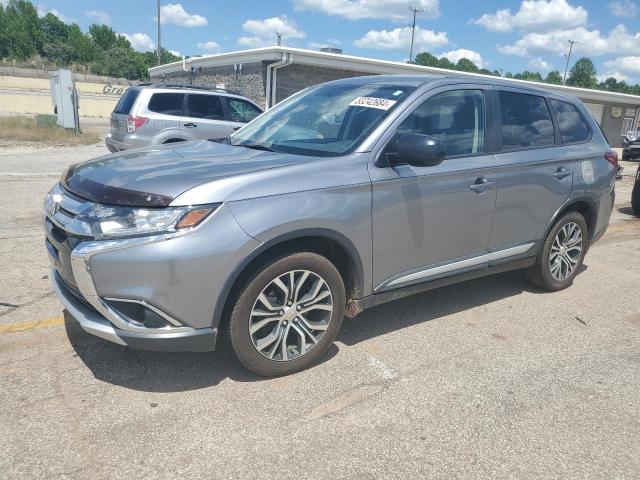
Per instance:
(490,378)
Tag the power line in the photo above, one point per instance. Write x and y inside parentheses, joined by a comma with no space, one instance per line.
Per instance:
(413,29)
(571,44)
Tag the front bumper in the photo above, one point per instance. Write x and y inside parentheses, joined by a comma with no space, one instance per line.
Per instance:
(199,340)
(156,292)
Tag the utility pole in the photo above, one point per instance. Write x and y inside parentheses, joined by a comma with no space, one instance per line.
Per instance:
(159,61)
(571,44)
(413,29)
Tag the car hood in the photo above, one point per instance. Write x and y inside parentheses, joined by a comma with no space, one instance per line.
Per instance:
(154,177)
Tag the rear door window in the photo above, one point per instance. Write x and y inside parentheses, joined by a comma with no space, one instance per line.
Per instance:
(166,103)
(242,111)
(208,107)
(126,101)
(526,121)
(573,128)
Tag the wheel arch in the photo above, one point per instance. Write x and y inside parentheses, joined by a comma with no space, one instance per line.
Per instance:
(585,206)
(333,245)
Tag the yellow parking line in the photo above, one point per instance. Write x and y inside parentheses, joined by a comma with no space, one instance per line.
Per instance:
(18,327)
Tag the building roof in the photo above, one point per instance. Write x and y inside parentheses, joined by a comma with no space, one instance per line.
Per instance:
(373,66)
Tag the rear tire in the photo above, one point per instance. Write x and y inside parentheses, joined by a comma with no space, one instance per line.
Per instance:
(287,315)
(562,253)
(635,195)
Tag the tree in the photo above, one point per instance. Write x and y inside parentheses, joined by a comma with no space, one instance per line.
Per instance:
(23,32)
(426,59)
(54,30)
(83,48)
(554,77)
(583,74)
(466,65)
(530,76)
(103,36)
(4,39)
(444,62)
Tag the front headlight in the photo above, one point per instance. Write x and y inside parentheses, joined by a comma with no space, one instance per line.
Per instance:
(107,222)
(633,136)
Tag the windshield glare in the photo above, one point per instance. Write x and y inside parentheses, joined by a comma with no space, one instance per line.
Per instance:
(329,120)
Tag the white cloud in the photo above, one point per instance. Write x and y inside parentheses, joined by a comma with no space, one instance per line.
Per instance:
(455,55)
(540,64)
(100,16)
(625,8)
(615,74)
(209,46)
(359,9)
(175,14)
(400,39)
(328,44)
(590,42)
(264,32)
(625,65)
(538,15)
(140,42)
(176,53)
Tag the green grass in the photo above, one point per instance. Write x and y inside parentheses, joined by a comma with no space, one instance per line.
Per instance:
(24,129)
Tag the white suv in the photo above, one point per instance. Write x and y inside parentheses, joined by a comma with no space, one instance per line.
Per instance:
(152,114)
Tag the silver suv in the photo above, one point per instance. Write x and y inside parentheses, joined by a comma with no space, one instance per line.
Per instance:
(344,196)
(158,113)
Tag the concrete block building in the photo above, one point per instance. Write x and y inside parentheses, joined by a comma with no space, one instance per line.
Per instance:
(269,75)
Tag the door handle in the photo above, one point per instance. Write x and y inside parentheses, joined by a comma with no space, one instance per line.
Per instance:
(482,185)
(562,173)
(190,125)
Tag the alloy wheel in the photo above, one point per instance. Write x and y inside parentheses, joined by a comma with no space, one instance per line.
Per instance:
(290,315)
(565,251)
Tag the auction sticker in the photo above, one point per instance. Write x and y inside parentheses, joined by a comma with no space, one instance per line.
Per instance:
(373,102)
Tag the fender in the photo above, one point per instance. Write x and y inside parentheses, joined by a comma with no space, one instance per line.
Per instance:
(351,250)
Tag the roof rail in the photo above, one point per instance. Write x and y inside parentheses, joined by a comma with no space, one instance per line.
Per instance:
(189,87)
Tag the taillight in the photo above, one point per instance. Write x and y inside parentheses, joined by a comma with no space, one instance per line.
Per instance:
(134,123)
(612,157)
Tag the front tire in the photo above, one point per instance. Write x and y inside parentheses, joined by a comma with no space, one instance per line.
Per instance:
(562,253)
(288,314)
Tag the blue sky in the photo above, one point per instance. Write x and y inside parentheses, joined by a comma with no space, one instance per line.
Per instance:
(498,34)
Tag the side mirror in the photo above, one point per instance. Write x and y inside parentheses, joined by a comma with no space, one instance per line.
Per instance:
(419,150)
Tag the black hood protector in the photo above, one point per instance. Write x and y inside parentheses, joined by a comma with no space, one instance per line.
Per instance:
(107,195)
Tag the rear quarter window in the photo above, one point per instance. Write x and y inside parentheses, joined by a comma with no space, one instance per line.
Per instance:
(573,128)
(526,121)
(126,101)
(166,103)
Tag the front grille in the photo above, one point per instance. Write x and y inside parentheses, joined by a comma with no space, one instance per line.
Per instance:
(64,231)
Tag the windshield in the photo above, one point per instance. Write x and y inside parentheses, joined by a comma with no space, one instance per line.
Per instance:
(329,120)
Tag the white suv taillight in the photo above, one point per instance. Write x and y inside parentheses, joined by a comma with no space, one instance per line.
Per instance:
(134,123)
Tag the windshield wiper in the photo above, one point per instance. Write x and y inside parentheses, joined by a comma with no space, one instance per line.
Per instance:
(254,146)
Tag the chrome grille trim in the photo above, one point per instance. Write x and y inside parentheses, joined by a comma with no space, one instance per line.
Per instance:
(59,204)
